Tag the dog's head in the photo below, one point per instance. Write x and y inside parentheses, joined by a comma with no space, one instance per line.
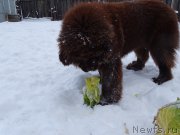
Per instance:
(85,40)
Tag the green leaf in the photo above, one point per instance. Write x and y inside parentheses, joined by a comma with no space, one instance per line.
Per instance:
(92,94)
(86,100)
(168,119)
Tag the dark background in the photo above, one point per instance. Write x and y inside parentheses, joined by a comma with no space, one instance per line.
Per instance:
(57,8)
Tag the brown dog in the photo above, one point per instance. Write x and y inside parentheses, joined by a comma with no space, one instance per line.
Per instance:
(95,36)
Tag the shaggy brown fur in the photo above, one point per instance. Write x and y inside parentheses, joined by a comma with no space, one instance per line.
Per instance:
(95,36)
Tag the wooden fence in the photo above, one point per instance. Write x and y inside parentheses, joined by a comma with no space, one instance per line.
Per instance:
(49,8)
(57,8)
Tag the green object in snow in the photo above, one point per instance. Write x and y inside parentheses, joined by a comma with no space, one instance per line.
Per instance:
(168,119)
(92,92)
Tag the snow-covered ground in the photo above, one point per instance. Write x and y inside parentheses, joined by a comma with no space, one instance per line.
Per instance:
(39,96)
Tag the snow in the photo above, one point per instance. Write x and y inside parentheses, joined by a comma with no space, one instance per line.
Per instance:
(39,96)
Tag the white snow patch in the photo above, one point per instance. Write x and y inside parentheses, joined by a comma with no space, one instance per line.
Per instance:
(39,96)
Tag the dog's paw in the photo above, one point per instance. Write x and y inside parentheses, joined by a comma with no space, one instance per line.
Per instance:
(103,102)
(161,79)
(135,65)
(107,101)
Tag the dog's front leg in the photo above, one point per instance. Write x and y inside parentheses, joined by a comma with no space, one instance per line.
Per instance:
(111,78)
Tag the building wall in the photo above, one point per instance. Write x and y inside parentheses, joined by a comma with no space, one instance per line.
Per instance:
(2,17)
(6,7)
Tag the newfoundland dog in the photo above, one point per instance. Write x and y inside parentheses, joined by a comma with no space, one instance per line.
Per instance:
(95,36)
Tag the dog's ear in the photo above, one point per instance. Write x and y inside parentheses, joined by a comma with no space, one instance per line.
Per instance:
(63,55)
(63,59)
